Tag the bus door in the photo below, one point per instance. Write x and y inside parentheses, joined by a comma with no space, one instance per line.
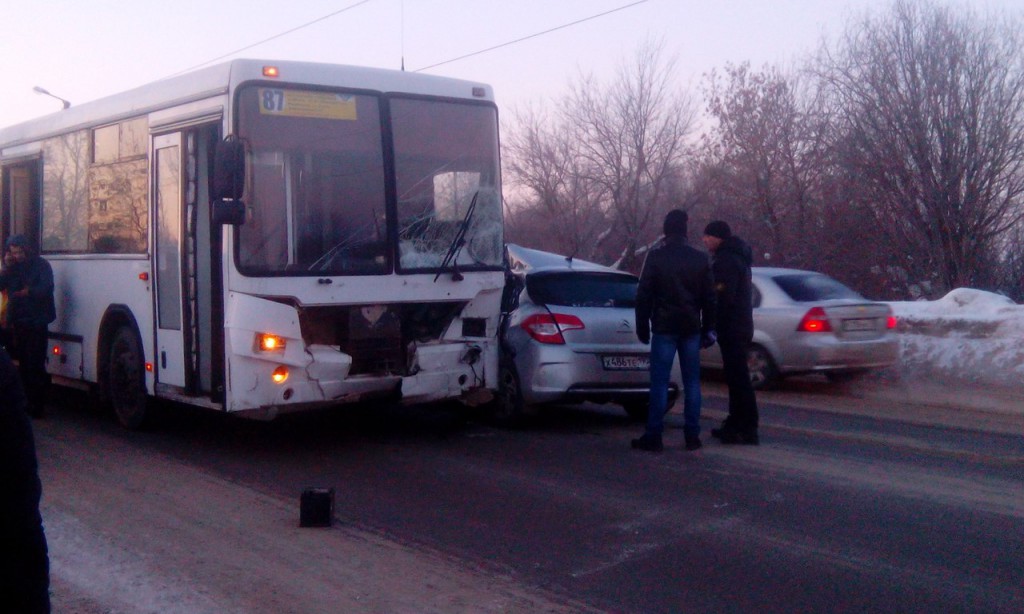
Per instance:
(167,260)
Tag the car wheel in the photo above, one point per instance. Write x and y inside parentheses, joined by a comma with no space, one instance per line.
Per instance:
(845,377)
(762,368)
(636,410)
(126,379)
(508,407)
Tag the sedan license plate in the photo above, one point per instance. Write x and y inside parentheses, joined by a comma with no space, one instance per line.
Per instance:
(626,363)
(860,324)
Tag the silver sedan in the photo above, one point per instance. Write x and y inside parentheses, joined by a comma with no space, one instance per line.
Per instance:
(568,335)
(807,322)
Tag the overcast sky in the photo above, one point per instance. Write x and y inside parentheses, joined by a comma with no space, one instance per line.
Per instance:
(86,49)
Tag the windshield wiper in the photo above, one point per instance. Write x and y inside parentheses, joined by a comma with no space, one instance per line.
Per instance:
(452,256)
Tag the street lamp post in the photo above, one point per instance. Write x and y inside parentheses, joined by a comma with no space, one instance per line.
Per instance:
(42,91)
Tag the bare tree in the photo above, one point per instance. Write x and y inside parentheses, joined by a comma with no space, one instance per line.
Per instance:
(632,136)
(1010,266)
(606,165)
(931,124)
(765,158)
(561,209)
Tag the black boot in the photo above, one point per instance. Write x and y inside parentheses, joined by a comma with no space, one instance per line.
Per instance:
(727,428)
(693,443)
(648,443)
(748,438)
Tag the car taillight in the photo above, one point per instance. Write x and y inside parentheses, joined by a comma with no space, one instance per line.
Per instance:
(890,322)
(815,321)
(548,327)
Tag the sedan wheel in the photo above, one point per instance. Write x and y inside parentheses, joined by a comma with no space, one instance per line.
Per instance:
(762,369)
(508,406)
(845,377)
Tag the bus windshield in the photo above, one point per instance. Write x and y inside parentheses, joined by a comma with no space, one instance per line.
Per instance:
(317,194)
(449,204)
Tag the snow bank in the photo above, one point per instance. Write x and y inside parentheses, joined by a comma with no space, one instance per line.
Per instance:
(967,336)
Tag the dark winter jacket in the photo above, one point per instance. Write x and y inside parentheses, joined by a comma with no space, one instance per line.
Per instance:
(675,296)
(23,556)
(731,264)
(19,482)
(37,309)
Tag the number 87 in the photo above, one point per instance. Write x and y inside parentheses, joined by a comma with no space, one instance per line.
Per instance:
(273,100)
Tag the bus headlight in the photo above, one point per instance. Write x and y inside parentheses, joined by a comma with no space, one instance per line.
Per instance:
(268,342)
(280,374)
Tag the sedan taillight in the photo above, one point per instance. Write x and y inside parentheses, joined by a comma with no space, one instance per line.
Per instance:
(548,328)
(890,322)
(815,321)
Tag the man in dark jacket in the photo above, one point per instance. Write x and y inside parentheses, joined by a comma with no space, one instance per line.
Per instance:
(24,564)
(675,301)
(28,280)
(735,326)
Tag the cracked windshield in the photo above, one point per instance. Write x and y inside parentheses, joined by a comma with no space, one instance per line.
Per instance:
(317,199)
(449,202)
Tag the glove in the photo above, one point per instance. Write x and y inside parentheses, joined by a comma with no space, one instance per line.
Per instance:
(708,339)
(644,336)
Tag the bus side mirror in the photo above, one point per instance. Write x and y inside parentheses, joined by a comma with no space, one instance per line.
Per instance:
(228,182)
(231,212)
(229,169)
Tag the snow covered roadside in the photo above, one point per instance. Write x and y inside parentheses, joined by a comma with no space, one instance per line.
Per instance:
(968,337)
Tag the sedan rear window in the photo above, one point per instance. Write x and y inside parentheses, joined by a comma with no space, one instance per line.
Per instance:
(810,288)
(583,289)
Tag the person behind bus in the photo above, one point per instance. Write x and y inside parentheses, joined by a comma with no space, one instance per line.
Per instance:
(28,280)
(675,301)
(24,560)
(731,260)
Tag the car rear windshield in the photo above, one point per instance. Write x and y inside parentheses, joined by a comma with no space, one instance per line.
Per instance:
(810,288)
(583,289)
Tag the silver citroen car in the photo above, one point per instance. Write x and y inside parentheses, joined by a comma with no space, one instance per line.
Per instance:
(807,322)
(568,334)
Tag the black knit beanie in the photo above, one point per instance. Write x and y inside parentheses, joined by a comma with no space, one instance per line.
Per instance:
(675,223)
(718,229)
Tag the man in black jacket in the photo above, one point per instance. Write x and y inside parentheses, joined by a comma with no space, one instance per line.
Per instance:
(28,280)
(675,301)
(735,326)
(24,564)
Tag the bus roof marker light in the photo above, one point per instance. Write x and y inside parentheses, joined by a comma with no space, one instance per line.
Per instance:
(270,71)
(479,92)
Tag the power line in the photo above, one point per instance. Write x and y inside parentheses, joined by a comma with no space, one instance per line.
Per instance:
(267,40)
(519,40)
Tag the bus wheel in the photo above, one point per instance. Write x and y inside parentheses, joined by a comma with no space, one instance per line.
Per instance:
(126,379)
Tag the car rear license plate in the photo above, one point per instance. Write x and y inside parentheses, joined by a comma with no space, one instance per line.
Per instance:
(626,363)
(859,324)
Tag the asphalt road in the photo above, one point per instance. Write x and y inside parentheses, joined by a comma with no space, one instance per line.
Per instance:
(855,501)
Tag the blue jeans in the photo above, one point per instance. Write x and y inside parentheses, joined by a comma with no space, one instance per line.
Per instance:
(663,353)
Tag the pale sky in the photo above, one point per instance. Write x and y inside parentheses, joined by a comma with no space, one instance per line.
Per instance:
(82,50)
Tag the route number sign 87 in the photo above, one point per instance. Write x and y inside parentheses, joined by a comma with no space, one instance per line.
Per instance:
(272,100)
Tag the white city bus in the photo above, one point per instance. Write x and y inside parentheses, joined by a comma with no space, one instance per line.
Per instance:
(261,237)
